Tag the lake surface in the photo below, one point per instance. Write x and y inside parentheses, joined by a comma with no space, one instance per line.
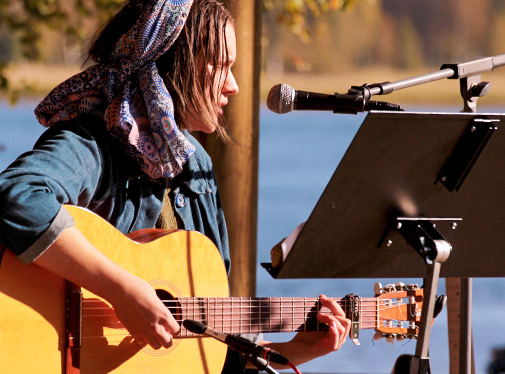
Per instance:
(298,155)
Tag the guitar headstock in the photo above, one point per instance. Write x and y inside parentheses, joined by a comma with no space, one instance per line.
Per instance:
(398,311)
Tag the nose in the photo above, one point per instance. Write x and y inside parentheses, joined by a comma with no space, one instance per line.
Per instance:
(230,86)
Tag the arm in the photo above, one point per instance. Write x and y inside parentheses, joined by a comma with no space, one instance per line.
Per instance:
(135,302)
(70,165)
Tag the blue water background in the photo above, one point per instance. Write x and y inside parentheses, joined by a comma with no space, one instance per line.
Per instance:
(298,155)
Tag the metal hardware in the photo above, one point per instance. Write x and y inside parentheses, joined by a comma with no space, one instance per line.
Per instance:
(466,153)
(353,315)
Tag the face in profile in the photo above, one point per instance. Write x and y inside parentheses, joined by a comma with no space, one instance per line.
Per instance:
(225,84)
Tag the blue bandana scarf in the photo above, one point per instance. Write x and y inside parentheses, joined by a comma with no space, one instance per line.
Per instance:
(130,94)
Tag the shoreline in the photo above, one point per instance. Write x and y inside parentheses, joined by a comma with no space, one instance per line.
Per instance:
(36,80)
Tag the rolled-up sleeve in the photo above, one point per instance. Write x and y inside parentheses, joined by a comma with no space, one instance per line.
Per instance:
(64,167)
(62,220)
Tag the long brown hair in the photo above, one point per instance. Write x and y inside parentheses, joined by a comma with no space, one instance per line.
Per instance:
(183,67)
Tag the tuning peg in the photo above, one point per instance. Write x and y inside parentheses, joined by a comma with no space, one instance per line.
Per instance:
(390,338)
(412,287)
(390,288)
(400,337)
(377,288)
(378,335)
(400,286)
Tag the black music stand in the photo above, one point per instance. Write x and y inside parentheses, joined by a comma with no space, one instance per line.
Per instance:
(410,187)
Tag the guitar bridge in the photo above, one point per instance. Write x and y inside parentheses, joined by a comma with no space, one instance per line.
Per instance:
(352,312)
(73,319)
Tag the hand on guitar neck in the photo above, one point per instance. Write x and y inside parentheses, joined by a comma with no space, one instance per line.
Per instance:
(135,302)
(306,346)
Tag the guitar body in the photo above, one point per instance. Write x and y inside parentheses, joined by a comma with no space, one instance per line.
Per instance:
(32,306)
(32,318)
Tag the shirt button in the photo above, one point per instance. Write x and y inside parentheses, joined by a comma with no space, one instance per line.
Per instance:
(180,200)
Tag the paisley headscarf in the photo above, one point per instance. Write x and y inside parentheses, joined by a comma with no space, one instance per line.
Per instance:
(130,94)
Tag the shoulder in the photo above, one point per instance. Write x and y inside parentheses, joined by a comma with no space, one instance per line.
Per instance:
(85,128)
(201,157)
(87,139)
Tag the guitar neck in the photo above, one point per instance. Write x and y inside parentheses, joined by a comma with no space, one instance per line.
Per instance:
(242,315)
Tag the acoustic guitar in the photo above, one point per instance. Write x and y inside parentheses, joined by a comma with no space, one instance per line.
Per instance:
(48,325)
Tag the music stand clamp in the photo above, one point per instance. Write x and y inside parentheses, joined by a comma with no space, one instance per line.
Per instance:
(422,235)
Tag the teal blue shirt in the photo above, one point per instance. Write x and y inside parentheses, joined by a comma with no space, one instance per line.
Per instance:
(80,163)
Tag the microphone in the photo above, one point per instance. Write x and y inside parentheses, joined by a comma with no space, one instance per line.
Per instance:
(236,342)
(283,98)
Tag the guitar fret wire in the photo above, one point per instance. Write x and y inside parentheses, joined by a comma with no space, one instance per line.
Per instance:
(270,322)
(378,321)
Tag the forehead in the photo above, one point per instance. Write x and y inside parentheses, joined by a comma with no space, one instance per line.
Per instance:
(231,41)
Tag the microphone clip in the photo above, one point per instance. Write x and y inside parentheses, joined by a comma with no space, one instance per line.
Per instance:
(237,343)
(364,93)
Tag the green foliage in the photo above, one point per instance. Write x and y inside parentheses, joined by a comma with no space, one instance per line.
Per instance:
(28,19)
(299,15)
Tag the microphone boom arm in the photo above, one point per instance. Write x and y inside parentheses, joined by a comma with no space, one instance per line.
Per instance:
(467,72)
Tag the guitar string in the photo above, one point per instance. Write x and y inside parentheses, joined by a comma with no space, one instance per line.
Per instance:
(270,299)
(254,310)
(221,313)
(222,306)
(252,303)
(280,306)
(247,311)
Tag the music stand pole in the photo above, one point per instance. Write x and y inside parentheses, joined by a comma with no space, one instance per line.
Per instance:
(422,235)
(421,361)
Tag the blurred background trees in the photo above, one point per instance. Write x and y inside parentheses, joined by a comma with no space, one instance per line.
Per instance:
(393,33)
(299,36)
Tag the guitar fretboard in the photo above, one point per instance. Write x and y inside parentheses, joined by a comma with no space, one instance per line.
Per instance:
(242,315)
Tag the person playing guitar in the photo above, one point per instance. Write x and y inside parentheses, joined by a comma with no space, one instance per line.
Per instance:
(119,144)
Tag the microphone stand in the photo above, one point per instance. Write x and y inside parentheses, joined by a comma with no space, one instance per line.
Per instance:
(468,73)
(261,364)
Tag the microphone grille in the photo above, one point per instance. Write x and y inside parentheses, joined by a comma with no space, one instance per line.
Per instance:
(281,98)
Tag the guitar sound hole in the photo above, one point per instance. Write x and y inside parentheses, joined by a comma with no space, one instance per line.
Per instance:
(171,303)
